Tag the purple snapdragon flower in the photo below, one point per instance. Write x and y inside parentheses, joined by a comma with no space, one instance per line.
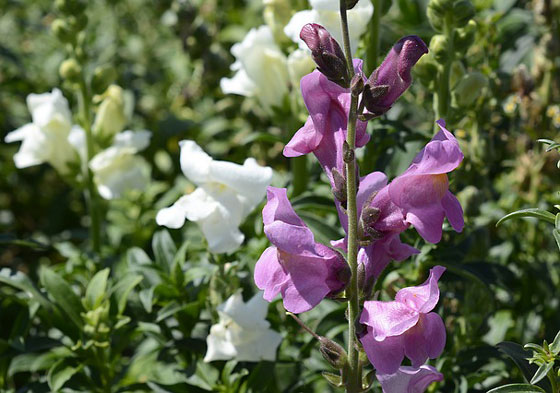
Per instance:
(409,379)
(303,271)
(325,130)
(391,79)
(405,326)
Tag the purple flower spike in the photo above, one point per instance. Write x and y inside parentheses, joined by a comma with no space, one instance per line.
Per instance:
(409,379)
(405,326)
(302,271)
(391,79)
(325,130)
(326,53)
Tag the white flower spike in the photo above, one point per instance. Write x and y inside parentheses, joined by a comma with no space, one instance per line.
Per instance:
(45,139)
(243,332)
(226,194)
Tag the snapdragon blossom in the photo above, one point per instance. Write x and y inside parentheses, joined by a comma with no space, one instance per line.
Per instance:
(242,333)
(226,194)
(45,139)
(405,326)
(303,271)
(409,379)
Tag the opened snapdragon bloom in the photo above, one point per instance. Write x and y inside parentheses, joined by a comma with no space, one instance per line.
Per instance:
(421,196)
(404,327)
(409,379)
(303,271)
(242,333)
(226,194)
(45,139)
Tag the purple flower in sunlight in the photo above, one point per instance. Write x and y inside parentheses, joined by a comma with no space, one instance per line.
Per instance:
(391,79)
(300,269)
(421,196)
(404,326)
(326,53)
(409,379)
(324,132)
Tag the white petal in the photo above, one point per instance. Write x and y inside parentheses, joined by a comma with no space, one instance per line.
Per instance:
(221,236)
(50,109)
(300,64)
(77,138)
(240,84)
(34,147)
(127,172)
(21,133)
(195,163)
(137,140)
(173,216)
(219,348)
(298,20)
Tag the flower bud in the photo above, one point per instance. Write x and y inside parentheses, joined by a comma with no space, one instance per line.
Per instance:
(77,23)
(391,79)
(333,353)
(62,31)
(277,14)
(357,85)
(326,53)
(69,6)
(463,38)
(110,118)
(463,12)
(339,189)
(103,76)
(70,70)
(438,46)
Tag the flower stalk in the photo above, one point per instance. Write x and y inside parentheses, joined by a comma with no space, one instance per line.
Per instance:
(354,377)
(91,194)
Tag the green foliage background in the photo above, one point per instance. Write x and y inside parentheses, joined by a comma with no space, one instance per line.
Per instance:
(136,319)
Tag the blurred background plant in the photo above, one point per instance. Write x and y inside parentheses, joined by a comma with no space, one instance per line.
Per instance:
(63,315)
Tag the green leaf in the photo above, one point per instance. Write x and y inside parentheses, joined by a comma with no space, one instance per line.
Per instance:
(332,379)
(122,290)
(533,212)
(556,234)
(519,356)
(164,249)
(535,347)
(62,294)
(555,346)
(20,281)
(541,372)
(517,388)
(96,288)
(146,298)
(60,373)
(137,257)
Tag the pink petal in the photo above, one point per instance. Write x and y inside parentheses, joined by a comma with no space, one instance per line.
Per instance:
(387,355)
(422,298)
(269,275)
(409,379)
(304,141)
(388,319)
(425,340)
(453,211)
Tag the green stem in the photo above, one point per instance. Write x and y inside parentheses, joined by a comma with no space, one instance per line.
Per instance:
(552,378)
(374,38)
(92,197)
(442,109)
(354,380)
(300,175)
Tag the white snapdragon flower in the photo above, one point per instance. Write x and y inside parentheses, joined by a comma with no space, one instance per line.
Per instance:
(243,332)
(327,14)
(45,139)
(117,168)
(300,64)
(110,118)
(226,194)
(261,69)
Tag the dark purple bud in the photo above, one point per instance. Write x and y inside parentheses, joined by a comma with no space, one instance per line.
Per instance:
(357,85)
(339,189)
(326,53)
(391,79)
(333,352)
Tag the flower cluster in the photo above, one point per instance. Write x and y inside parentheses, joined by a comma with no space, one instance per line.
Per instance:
(304,272)
(225,196)
(52,138)
(265,72)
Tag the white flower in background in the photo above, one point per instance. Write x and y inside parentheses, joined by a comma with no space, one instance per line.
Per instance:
(261,69)
(110,118)
(300,64)
(327,14)
(226,194)
(45,139)
(243,332)
(117,168)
